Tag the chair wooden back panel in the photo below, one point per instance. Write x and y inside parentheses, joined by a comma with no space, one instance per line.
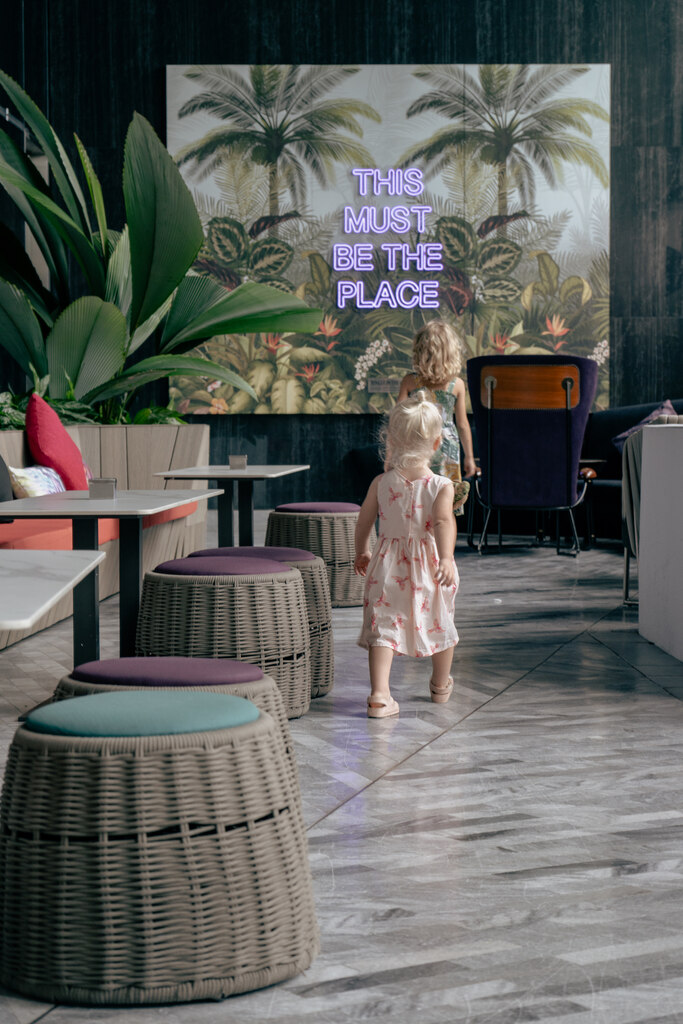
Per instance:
(529,386)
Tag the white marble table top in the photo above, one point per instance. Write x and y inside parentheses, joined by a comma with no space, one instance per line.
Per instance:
(226,472)
(75,504)
(31,582)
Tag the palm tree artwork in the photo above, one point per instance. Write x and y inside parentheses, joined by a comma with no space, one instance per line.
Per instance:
(278,117)
(510,117)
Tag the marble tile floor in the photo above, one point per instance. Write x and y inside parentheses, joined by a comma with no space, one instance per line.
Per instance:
(513,856)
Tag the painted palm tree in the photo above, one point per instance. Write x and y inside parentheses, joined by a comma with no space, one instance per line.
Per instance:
(510,118)
(277,118)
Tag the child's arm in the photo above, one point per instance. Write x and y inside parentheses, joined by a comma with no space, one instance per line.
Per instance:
(445,534)
(408,384)
(364,525)
(464,431)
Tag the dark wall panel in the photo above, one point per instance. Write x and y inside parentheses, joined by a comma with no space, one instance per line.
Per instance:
(91,65)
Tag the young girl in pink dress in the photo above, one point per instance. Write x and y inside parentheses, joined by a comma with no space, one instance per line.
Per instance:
(410,577)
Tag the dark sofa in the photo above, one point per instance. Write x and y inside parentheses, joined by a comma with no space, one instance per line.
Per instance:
(361,465)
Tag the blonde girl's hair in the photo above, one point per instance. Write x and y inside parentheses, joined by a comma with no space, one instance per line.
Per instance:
(437,353)
(411,430)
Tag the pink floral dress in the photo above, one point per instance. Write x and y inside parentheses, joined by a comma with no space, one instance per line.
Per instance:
(403,608)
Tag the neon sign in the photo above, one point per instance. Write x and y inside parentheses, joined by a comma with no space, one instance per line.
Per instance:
(361,257)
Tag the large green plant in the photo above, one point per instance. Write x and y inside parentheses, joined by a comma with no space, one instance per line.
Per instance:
(139,279)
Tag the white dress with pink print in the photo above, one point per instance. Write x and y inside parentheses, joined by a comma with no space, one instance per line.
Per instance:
(403,607)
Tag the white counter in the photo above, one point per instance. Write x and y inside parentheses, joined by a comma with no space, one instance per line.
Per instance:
(660,556)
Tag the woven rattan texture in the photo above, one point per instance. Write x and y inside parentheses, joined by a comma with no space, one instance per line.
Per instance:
(329,535)
(261,692)
(261,619)
(152,869)
(319,610)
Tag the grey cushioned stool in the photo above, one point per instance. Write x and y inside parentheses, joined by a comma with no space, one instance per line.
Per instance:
(215,675)
(247,609)
(318,605)
(151,851)
(327,529)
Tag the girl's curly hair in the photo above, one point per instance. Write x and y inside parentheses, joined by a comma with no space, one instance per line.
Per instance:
(437,353)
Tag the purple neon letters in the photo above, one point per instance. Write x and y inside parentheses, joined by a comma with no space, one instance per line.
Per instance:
(370,220)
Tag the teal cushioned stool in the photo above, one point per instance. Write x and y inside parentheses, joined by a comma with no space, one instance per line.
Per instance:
(152,850)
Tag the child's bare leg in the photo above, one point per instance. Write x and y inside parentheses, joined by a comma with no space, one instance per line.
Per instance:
(380,660)
(440,685)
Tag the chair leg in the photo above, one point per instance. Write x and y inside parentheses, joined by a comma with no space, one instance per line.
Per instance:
(484,531)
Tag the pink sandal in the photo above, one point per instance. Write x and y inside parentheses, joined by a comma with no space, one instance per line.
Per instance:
(382,707)
(440,694)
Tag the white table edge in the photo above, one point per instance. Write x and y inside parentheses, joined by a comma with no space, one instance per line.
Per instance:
(13,625)
(102,509)
(224,472)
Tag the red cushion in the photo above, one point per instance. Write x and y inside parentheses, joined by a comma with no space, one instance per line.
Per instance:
(169,515)
(50,445)
(49,534)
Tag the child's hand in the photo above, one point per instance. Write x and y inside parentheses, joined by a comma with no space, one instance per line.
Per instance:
(469,466)
(360,565)
(445,574)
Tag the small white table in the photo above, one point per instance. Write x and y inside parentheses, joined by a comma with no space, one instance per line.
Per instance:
(32,582)
(660,546)
(129,507)
(224,477)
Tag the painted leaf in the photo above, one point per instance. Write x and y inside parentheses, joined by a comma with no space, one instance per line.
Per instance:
(270,257)
(498,221)
(321,273)
(269,222)
(280,283)
(315,406)
(227,239)
(457,290)
(241,402)
(210,267)
(499,256)
(86,346)
(527,296)
(549,273)
(287,396)
(163,223)
(502,289)
(575,288)
(261,375)
(457,238)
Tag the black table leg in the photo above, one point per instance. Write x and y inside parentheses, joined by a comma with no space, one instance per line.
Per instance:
(130,575)
(86,624)
(226,534)
(245,512)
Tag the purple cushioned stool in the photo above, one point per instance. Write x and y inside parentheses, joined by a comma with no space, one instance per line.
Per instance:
(247,609)
(318,605)
(218,675)
(327,529)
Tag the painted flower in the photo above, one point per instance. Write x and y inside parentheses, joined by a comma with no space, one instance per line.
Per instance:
(271,341)
(218,405)
(308,372)
(556,326)
(328,328)
(500,342)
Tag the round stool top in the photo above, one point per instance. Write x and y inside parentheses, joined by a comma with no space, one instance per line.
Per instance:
(221,566)
(276,554)
(167,672)
(318,506)
(141,713)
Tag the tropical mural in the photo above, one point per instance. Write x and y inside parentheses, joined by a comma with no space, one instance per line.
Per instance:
(388,195)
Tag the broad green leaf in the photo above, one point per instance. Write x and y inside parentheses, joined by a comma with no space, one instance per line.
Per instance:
(194,297)
(17,269)
(68,230)
(549,273)
(498,256)
(248,309)
(501,289)
(165,366)
(62,172)
(86,346)
(143,331)
(119,283)
(20,331)
(287,396)
(457,237)
(270,257)
(227,239)
(163,223)
(261,375)
(95,190)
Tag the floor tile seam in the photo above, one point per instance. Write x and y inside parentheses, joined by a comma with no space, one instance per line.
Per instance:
(636,668)
(433,739)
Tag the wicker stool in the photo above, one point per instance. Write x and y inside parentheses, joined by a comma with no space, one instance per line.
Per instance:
(327,529)
(217,675)
(248,609)
(151,851)
(317,590)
